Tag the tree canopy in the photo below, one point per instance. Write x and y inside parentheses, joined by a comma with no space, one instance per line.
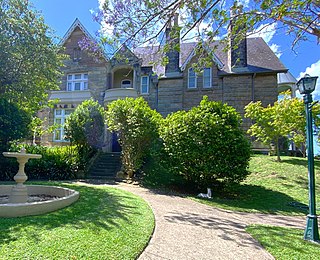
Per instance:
(286,118)
(29,58)
(137,22)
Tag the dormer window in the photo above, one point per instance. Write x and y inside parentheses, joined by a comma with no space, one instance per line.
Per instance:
(77,54)
(77,82)
(126,83)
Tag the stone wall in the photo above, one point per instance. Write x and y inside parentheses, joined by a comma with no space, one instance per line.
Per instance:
(170,95)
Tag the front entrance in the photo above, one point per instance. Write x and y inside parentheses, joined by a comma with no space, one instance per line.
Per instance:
(115,144)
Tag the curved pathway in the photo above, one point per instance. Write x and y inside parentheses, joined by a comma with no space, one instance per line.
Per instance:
(186,229)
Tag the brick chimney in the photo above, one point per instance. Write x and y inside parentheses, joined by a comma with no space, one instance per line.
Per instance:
(237,53)
(172,34)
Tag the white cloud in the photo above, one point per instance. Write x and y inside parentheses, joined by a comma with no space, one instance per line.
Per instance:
(245,3)
(313,70)
(101,2)
(276,49)
(266,31)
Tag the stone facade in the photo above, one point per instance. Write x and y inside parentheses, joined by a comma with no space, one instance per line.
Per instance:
(166,89)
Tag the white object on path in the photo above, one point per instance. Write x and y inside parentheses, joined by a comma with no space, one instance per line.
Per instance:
(203,195)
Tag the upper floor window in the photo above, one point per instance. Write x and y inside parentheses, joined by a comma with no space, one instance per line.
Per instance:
(60,116)
(144,85)
(76,82)
(192,78)
(77,54)
(207,78)
(126,83)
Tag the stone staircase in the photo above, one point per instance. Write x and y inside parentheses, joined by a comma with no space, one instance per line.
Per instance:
(105,166)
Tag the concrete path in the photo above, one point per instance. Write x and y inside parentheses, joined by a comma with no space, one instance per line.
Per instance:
(186,229)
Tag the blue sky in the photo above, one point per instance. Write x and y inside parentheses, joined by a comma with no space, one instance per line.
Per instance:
(59,15)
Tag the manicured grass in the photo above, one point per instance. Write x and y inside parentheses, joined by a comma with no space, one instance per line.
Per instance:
(105,223)
(284,243)
(270,188)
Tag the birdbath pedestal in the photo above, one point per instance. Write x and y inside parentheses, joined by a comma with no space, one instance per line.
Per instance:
(19,193)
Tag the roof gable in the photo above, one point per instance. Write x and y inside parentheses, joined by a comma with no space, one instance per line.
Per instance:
(75,27)
(72,28)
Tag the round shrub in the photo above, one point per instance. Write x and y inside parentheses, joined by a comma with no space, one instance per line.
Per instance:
(206,144)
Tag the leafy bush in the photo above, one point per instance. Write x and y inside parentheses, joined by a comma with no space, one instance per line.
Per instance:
(137,127)
(85,129)
(206,145)
(57,163)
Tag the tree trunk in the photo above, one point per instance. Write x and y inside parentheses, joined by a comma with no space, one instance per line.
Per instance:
(278,151)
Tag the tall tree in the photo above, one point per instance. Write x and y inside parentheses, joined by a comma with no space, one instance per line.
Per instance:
(286,118)
(29,58)
(138,22)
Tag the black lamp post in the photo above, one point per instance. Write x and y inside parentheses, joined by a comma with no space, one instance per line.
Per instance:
(306,86)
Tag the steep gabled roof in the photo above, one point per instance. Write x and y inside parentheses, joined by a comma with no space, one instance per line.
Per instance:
(260,58)
(77,24)
(72,28)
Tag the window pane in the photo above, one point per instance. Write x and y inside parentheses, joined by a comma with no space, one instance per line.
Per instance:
(85,76)
(191,78)
(69,86)
(85,85)
(144,89)
(58,112)
(192,83)
(144,80)
(69,77)
(68,112)
(207,78)
(57,135)
(77,76)
(58,121)
(77,86)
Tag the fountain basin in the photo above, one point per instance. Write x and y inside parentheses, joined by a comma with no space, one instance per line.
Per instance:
(63,197)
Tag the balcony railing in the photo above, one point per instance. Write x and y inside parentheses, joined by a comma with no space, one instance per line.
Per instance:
(70,96)
(119,93)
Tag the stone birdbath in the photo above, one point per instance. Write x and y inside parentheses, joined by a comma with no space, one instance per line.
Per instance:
(19,192)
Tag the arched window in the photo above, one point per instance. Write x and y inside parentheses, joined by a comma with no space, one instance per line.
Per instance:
(126,83)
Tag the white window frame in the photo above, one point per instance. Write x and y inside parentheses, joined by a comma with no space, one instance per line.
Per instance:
(73,80)
(62,116)
(210,78)
(194,78)
(126,85)
(144,85)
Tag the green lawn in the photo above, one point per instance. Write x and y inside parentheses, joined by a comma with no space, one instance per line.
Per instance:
(284,243)
(270,188)
(105,223)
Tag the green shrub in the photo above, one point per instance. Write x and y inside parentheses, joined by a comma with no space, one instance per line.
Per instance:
(57,163)
(206,145)
(85,129)
(13,123)
(137,127)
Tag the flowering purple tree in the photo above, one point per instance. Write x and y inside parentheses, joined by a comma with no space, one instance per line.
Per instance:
(138,22)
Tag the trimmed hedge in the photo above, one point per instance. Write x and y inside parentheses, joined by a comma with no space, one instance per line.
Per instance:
(57,163)
(206,145)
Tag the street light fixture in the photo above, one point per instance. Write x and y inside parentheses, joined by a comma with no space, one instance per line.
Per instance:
(306,86)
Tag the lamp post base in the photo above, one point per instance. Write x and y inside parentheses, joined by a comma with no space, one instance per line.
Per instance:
(311,232)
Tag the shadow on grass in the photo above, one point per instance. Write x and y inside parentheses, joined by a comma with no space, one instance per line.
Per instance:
(253,198)
(284,243)
(300,161)
(97,208)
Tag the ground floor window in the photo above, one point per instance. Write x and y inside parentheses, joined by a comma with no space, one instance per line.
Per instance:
(60,116)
